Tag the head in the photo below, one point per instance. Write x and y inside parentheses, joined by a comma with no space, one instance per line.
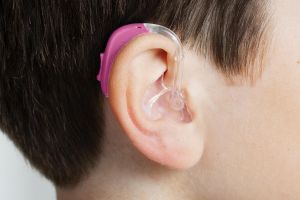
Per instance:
(241,87)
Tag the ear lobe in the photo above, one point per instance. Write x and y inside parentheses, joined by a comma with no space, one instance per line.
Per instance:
(138,66)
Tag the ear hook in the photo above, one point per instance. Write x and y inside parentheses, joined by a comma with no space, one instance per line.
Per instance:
(122,36)
(176,97)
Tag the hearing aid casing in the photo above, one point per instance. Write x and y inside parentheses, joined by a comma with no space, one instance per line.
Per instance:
(171,98)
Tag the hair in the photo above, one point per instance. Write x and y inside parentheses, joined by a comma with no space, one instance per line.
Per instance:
(50,102)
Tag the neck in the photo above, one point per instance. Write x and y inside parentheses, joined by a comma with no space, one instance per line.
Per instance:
(123,173)
(116,184)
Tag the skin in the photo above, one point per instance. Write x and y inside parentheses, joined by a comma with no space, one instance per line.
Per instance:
(250,132)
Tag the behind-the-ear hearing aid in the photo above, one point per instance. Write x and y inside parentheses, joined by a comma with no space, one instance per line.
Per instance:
(160,100)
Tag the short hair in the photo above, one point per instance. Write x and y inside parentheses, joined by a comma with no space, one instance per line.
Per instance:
(50,102)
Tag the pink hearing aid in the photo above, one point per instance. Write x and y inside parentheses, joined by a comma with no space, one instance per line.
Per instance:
(171,96)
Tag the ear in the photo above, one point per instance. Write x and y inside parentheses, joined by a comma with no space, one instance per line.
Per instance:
(138,66)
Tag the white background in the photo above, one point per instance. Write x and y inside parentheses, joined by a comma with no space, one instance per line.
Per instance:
(18,181)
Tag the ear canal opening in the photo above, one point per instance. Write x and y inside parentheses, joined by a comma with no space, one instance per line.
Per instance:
(160,102)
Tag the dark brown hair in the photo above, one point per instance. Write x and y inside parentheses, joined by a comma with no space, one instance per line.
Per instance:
(50,102)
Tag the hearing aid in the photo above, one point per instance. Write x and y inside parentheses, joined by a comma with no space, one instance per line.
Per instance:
(160,100)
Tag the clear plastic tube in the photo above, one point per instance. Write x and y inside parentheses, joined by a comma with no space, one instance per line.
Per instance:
(176,97)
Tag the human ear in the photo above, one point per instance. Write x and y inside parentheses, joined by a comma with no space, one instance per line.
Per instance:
(137,67)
